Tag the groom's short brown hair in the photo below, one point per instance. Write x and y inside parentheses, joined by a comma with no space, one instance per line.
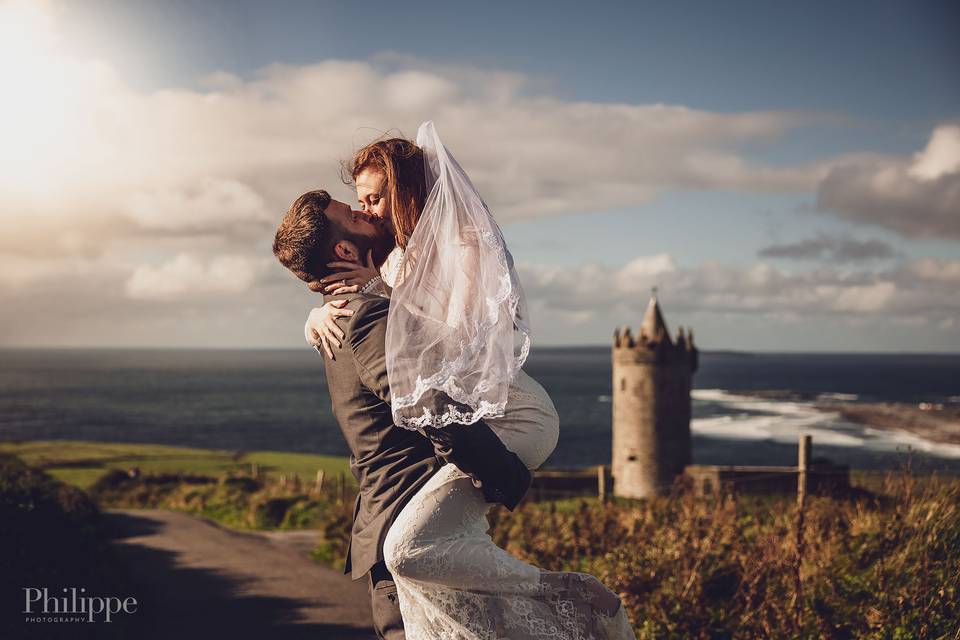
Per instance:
(306,237)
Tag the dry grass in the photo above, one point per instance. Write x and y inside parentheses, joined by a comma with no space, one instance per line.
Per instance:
(883,565)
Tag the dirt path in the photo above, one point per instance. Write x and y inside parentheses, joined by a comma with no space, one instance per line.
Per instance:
(196,579)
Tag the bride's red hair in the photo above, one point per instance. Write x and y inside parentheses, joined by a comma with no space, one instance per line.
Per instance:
(401,161)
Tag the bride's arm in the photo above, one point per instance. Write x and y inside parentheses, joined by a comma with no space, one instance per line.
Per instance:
(321,329)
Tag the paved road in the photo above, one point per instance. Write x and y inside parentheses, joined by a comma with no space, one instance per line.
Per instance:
(196,579)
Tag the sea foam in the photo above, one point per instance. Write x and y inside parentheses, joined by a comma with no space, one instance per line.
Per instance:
(743,417)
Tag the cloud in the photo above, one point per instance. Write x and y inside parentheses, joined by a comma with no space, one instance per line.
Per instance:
(941,157)
(53,275)
(640,271)
(916,197)
(185,276)
(933,270)
(146,216)
(238,150)
(95,168)
(160,186)
(830,248)
(920,288)
(213,205)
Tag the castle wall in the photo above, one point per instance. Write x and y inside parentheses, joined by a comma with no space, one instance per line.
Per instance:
(651,419)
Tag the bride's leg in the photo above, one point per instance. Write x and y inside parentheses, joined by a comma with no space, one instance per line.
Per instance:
(441,538)
(453,581)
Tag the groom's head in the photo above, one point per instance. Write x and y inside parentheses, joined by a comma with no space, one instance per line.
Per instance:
(317,230)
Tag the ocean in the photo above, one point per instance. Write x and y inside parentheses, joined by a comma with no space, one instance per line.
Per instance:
(277,400)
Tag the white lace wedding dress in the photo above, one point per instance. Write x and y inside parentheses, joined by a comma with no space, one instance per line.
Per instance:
(454,583)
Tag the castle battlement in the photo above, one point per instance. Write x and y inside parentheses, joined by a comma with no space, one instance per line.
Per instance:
(652,342)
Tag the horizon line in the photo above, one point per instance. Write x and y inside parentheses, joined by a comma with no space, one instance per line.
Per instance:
(718,350)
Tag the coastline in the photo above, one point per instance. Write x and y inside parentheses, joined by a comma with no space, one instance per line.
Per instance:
(930,422)
(936,423)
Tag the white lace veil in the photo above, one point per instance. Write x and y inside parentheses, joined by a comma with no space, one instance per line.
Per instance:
(457,330)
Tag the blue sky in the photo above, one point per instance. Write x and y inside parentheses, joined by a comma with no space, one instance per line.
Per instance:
(870,60)
(841,107)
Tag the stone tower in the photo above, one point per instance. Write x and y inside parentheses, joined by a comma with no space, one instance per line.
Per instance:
(652,375)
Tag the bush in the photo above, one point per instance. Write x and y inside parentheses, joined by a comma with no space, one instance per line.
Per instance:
(50,536)
(237,501)
(269,512)
(304,514)
(118,488)
(36,509)
(884,566)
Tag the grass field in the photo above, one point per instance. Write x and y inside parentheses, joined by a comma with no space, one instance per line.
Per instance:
(80,463)
(878,563)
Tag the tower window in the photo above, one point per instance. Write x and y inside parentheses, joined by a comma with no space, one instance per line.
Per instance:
(623,384)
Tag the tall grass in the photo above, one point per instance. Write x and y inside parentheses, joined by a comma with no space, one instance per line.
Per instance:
(883,565)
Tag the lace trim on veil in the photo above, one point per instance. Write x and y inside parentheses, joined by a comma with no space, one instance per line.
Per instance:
(444,380)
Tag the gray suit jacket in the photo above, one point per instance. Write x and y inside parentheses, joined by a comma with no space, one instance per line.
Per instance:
(389,462)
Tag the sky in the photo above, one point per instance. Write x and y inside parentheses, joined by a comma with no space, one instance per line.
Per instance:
(788,176)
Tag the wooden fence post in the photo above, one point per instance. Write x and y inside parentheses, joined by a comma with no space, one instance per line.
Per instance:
(318,485)
(602,482)
(803,466)
(254,470)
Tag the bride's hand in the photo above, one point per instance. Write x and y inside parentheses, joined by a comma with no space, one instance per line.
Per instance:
(321,329)
(351,278)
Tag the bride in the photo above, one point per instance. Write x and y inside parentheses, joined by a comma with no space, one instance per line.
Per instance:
(457,337)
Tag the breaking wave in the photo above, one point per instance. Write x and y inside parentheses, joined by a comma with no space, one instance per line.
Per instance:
(721,414)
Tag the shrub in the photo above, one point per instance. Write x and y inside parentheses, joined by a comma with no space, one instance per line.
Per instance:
(50,535)
(875,566)
(238,501)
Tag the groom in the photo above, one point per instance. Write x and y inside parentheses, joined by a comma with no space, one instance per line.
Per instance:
(390,463)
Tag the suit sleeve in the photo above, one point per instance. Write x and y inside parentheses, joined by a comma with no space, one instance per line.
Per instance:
(481,454)
(366,334)
(474,448)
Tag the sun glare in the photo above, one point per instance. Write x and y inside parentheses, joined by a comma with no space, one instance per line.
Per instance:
(38,92)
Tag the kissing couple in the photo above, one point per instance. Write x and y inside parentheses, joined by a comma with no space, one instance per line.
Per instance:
(425,333)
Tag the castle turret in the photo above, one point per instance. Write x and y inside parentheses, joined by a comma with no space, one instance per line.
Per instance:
(652,377)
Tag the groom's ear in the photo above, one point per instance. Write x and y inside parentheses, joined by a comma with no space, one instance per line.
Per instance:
(346,250)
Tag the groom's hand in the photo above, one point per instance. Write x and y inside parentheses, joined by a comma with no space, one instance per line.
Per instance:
(477,451)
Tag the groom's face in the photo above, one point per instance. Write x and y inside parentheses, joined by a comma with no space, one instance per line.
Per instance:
(353,223)
(362,230)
